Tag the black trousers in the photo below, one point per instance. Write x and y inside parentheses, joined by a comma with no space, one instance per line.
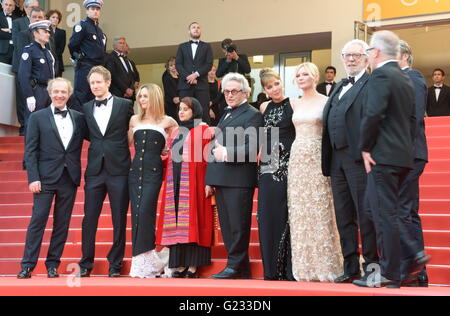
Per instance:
(203,97)
(64,192)
(235,214)
(393,238)
(21,107)
(409,211)
(349,182)
(95,193)
(6,58)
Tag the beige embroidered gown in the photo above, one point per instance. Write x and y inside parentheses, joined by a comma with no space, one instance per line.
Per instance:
(316,250)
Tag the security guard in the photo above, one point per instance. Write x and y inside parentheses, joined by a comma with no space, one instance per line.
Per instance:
(36,68)
(88,48)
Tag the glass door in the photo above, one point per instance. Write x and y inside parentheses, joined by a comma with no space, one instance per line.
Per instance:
(287,64)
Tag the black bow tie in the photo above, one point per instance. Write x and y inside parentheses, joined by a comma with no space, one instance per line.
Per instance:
(436,88)
(99,103)
(328,83)
(348,80)
(62,113)
(195,42)
(8,15)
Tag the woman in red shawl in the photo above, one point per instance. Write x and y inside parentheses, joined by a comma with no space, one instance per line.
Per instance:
(186,217)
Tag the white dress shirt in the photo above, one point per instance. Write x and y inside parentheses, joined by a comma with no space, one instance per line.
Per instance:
(64,125)
(194,48)
(123,61)
(328,86)
(102,114)
(349,86)
(438,91)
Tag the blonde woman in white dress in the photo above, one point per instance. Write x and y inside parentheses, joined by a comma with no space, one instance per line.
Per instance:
(316,250)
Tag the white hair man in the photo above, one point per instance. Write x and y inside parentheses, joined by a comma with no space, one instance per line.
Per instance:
(233,173)
(342,161)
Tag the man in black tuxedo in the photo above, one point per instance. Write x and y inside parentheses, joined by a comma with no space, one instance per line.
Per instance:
(233,61)
(109,161)
(232,171)
(122,84)
(6,21)
(326,88)
(409,191)
(194,61)
(53,155)
(438,96)
(387,141)
(342,160)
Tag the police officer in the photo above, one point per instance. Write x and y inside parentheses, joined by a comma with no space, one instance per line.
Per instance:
(36,68)
(88,48)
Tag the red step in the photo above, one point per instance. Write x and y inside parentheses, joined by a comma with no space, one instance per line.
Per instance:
(21,222)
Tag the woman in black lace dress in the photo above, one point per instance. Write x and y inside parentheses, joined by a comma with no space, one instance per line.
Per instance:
(273,202)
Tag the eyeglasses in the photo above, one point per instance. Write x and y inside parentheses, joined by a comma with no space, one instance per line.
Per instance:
(232,92)
(354,56)
(369,49)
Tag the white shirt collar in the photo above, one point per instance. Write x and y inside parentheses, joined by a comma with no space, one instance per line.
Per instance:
(360,75)
(54,107)
(109,97)
(387,62)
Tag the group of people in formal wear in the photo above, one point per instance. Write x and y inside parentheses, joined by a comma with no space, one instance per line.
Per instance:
(330,167)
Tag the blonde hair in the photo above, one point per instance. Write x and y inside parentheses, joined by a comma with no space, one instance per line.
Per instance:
(311,69)
(155,101)
(52,82)
(100,70)
(266,75)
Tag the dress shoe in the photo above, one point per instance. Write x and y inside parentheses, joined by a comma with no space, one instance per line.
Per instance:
(419,263)
(52,273)
(378,282)
(422,279)
(347,279)
(24,274)
(84,273)
(113,273)
(231,274)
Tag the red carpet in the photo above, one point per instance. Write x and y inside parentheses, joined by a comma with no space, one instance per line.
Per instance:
(197,288)
(15,212)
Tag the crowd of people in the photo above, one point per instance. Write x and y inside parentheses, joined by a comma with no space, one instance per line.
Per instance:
(341,162)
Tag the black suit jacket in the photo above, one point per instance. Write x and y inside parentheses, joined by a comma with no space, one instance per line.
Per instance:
(5,37)
(388,126)
(187,65)
(111,150)
(353,101)
(45,155)
(244,148)
(121,79)
(421,147)
(322,89)
(440,107)
(242,66)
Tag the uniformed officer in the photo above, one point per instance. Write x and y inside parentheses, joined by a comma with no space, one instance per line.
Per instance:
(37,68)
(88,48)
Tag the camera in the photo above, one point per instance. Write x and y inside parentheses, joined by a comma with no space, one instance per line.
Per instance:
(232,48)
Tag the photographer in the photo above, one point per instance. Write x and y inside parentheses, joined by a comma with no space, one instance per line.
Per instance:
(233,62)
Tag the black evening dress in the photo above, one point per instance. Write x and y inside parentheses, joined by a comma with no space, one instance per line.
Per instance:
(273,190)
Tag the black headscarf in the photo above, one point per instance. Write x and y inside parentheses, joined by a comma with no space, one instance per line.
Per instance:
(197,115)
(196,120)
